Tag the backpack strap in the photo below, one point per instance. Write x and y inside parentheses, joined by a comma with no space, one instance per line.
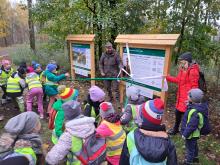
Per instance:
(201,118)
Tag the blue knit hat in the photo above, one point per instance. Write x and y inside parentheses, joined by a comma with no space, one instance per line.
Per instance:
(51,67)
(36,66)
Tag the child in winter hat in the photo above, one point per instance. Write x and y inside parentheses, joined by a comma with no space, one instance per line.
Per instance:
(56,123)
(146,141)
(131,114)
(52,83)
(67,94)
(109,128)
(195,122)
(95,97)
(77,128)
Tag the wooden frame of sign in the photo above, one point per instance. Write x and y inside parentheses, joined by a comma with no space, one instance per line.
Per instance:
(83,41)
(153,42)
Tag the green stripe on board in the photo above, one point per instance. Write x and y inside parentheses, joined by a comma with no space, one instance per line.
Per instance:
(75,66)
(147,52)
(81,46)
(143,85)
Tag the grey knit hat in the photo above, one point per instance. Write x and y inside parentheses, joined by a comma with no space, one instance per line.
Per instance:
(72,109)
(196,95)
(132,93)
(106,108)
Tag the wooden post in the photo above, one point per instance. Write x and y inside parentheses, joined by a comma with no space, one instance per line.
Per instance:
(92,48)
(73,75)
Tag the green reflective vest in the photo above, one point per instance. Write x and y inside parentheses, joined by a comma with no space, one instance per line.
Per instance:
(131,125)
(27,151)
(196,133)
(4,76)
(76,147)
(93,114)
(33,82)
(13,85)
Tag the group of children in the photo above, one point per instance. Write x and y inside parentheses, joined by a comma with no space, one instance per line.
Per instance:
(136,136)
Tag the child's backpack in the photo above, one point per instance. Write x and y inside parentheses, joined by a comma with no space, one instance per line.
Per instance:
(202,82)
(93,151)
(51,119)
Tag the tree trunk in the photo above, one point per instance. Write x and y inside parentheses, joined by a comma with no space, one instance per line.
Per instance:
(183,24)
(114,28)
(31,26)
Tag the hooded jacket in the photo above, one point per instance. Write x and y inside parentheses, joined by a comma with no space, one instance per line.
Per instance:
(81,127)
(185,80)
(188,129)
(153,146)
(51,90)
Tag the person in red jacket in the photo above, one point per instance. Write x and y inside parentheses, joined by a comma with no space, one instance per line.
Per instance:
(186,79)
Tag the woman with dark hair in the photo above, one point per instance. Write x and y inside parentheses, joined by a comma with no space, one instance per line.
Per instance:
(187,78)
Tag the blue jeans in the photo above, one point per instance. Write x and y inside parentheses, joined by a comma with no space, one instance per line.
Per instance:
(191,149)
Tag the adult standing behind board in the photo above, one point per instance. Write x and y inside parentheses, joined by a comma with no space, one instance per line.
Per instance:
(109,66)
(186,79)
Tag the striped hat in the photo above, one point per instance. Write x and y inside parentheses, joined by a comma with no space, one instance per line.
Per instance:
(152,111)
(67,94)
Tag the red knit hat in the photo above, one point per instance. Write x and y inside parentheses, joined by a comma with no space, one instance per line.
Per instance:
(152,111)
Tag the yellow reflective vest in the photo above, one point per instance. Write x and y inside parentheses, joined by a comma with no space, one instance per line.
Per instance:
(33,81)
(13,85)
(4,76)
(116,141)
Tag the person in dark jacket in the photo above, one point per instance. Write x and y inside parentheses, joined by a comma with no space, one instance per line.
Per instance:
(91,106)
(109,66)
(149,143)
(187,78)
(191,124)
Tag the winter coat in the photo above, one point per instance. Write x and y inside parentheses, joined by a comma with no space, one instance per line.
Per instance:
(110,64)
(59,119)
(188,129)
(88,107)
(105,131)
(51,90)
(152,146)
(127,114)
(185,80)
(81,127)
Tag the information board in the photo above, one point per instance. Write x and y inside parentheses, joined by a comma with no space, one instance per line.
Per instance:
(145,65)
(81,59)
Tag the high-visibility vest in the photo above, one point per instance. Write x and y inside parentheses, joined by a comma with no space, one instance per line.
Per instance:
(77,144)
(28,152)
(42,78)
(48,82)
(4,76)
(33,82)
(54,137)
(115,142)
(93,114)
(132,125)
(13,85)
(135,156)
(196,133)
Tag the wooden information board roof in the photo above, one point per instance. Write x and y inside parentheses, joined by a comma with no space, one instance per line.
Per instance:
(81,37)
(148,39)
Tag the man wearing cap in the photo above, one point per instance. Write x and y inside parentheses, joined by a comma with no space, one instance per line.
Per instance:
(109,66)
(186,79)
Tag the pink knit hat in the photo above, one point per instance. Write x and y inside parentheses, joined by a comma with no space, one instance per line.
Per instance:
(30,69)
(6,62)
(96,94)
